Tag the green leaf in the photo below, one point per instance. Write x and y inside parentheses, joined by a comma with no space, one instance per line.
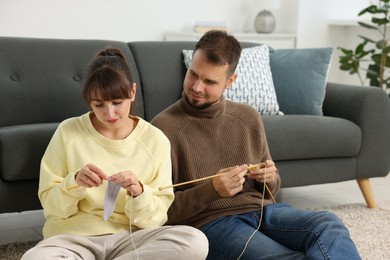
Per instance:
(383,7)
(371,9)
(380,21)
(355,65)
(373,70)
(360,48)
(363,54)
(374,82)
(366,39)
(376,58)
(346,51)
(372,74)
(368,26)
(345,59)
(380,44)
(386,50)
(345,67)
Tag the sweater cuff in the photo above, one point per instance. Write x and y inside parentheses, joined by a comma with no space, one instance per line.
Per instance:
(143,199)
(71,185)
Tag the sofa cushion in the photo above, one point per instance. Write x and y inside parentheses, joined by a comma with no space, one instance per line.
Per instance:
(294,137)
(21,150)
(254,85)
(300,79)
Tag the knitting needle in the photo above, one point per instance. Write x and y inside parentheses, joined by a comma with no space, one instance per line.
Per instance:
(73,187)
(250,167)
(270,193)
(206,178)
(188,182)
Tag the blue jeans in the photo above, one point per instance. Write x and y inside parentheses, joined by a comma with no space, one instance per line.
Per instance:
(285,233)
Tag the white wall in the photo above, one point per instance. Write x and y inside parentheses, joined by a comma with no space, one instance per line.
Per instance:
(314,30)
(133,20)
(126,20)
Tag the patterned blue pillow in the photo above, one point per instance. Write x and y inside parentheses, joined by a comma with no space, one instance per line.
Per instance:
(254,84)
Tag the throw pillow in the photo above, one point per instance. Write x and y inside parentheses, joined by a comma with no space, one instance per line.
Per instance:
(299,77)
(254,85)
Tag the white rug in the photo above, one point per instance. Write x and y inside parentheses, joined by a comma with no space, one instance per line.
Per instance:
(369,228)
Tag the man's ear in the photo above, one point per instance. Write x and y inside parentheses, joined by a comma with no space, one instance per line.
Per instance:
(230,80)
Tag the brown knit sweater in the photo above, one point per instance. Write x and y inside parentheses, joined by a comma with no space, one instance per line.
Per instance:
(205,141)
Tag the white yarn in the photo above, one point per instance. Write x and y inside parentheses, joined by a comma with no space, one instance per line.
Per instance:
(261,218)
(131,231)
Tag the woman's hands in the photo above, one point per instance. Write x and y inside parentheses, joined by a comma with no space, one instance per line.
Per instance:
(92,176)
(129,182)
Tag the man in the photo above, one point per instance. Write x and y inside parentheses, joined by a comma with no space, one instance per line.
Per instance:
(212,136)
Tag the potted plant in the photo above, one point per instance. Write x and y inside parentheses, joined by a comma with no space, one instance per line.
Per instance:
(370,59)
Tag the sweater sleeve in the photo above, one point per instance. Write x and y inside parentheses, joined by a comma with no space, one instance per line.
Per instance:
(150,208)
(274,187)
(55,179)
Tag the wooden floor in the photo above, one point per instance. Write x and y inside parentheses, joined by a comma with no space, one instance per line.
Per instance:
(26,226)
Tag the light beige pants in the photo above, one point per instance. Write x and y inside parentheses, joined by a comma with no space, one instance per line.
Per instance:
(167,242)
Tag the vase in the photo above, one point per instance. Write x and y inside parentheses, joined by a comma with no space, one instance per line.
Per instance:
(265,22)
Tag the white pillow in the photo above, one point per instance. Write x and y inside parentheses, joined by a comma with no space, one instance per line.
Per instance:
(254,84)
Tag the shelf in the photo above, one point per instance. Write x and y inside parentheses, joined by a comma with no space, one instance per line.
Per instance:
(346,22)
(274,40)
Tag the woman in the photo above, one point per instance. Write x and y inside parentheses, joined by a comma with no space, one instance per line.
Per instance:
(102,146)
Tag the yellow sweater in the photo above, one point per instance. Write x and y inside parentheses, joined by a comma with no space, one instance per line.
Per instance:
(146,152)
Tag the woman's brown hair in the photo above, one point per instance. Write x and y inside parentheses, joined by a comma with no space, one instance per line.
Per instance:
(108,76)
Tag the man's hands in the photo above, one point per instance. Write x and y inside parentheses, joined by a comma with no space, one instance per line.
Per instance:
(231,181)
(267,172)
(92,176)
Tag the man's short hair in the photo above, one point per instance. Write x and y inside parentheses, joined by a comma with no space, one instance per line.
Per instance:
(220,48)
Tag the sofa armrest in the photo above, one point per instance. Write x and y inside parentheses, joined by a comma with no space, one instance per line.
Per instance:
(369,108)
(21,150)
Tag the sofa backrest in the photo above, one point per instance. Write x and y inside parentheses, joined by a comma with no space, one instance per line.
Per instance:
(41,79)
(161,70)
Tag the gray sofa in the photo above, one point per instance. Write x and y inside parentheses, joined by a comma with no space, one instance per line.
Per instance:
(40,85)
